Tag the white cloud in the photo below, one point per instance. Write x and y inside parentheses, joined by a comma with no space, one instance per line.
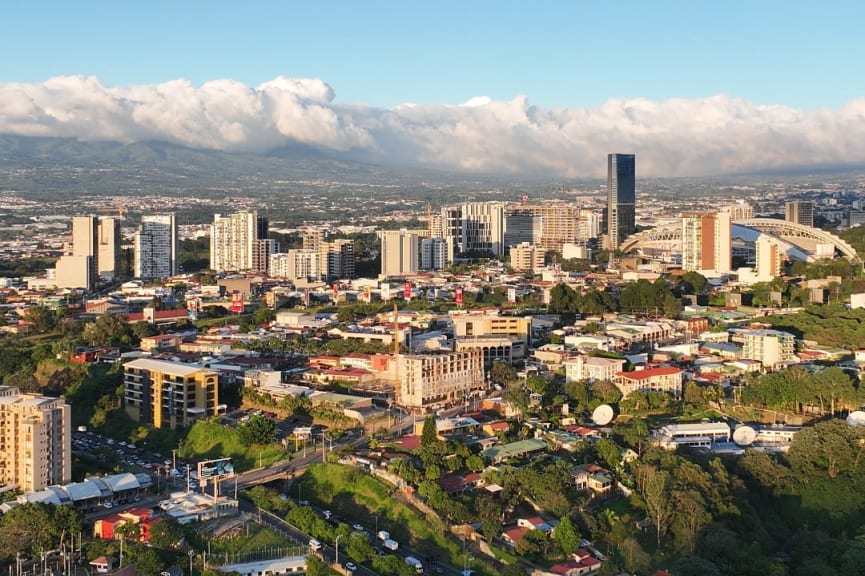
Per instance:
(675,137)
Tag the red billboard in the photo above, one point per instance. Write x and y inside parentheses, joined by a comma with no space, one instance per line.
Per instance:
(237,302)
(458,296)
(406,290)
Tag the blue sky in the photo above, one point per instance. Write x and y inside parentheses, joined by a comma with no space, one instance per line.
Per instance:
(806,55)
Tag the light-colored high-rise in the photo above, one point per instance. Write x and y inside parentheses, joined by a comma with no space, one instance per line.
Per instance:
(35,440)
(432,379)
(526,257)
(399,253)
(297,264)
(769,259)
(232,241)
(337,259)
(706,242)
(156,247)
(433,253)
(166,394)
(108,248)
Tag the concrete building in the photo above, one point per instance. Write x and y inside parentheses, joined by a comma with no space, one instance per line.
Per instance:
(738,211)
(262,250)
(232,241)
(769,347)
(337,259)
(35,440)
(664,379)
(399,253)
(477,227)
(433,253)
(799,212)
(549,225)
(313,238)
(706,242)
(166,394)
(621,198)
(438,379)
(156,247)
(299,264)
(770,258)
(591,368)
(527,257)
(472,324)
(74,272)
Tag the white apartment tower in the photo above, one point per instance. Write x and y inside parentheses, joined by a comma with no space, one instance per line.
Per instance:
(156,247)
(399,253)
(433,253)
(36,440)
(232,241)
(299,264)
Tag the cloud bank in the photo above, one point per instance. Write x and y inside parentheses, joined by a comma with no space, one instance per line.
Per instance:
(676,137)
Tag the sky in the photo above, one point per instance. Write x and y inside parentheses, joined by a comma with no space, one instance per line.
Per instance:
(553,85)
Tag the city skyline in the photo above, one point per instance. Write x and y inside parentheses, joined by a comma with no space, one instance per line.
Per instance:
(715,89)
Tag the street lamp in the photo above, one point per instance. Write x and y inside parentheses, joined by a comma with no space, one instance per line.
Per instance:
(336,547)
(191,554)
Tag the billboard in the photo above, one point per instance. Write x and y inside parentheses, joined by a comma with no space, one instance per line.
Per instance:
(237,302)
(458,296)
(215,470)
(406,290)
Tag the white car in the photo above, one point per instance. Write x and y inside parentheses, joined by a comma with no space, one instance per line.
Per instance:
(358,527)
(350,566)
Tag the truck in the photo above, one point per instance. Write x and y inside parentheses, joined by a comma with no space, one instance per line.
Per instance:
(383,535)
(391,545)
(417,564)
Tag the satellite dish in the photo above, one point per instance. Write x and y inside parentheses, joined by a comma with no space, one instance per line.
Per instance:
(744,435)
(603,414)
(856,418)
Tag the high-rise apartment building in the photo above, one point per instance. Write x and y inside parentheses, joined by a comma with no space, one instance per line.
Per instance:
(483,227)
(108,248)
(739,211)
(621,198)
(549,225)
(233,241)
(337,259)
(262,250)
(799,212)
(156,247)
(526,257)
(399,253)
(589,224)
(166,394)
(35,440)
(313,238)
(298,264)
(770,258)
(706,241)
(433,253)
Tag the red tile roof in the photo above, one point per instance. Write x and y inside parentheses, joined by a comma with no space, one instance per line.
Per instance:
(650,373)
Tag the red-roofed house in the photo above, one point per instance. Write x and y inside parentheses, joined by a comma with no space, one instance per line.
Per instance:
(513,535)
(663,379)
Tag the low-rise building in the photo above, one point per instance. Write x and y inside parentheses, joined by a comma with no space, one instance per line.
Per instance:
(663,379)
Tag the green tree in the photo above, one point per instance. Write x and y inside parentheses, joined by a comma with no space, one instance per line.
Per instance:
(258,430)
(608,452)
(502,372)
(429,432)
(832,448)
(167,534)
(567,536)
(44,319)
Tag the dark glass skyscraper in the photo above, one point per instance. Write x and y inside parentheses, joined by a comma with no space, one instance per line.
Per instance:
(621,198)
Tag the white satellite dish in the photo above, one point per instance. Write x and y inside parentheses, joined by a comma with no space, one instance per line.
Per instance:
(856,418)
(603,414)
(744,435)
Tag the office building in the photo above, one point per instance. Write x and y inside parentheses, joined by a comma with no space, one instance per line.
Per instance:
(98,238)
(799,212)
(399,253)
(35,441)
(75,272)
(336,259)
(156,247)
(166,394)
(433,253)
(438,379)
(473,227)
(621,198)
(706,242)
(232,241)
(526,257)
